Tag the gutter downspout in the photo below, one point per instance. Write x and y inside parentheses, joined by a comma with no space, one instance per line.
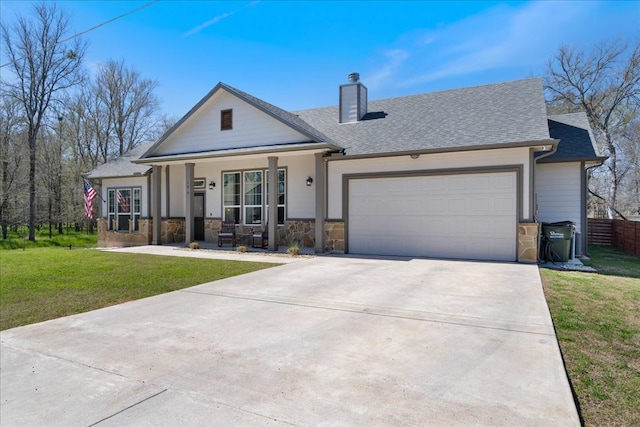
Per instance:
(535,190)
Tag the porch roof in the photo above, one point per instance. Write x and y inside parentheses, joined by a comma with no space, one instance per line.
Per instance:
(122,166)
(278,149)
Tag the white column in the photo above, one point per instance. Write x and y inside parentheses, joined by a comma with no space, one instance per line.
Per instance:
(189,232)
(320,203)
(273,204)
(156,205)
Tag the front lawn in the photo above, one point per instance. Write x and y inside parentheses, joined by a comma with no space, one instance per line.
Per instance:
(597,321)
(45,283)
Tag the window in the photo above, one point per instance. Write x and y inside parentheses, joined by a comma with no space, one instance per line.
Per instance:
(231,196)
(124,204)
(253,197)
(281,195)
(246,193)
(226,120)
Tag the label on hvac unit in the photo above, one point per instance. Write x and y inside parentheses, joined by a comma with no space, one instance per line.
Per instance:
(555,235)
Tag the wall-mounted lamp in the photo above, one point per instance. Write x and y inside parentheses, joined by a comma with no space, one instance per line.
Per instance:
(211,185)
(309,181)
(415,156)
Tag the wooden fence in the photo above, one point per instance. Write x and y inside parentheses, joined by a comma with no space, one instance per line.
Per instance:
(615,232)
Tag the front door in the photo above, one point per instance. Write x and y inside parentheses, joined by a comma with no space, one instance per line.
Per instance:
(198,216)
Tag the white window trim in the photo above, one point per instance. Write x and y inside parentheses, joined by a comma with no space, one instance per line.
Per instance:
(264,206)
(134,212)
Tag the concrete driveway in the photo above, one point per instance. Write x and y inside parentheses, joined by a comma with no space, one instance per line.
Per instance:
(321,341)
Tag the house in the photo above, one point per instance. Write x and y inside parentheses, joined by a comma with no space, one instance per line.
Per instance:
(466,173)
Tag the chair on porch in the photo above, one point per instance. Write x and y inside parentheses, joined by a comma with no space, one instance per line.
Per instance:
(227,233)
(260,238)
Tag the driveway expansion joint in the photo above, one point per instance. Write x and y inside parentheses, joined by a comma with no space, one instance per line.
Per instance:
(421,316)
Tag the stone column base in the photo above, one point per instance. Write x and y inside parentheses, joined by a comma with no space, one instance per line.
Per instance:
(528,242)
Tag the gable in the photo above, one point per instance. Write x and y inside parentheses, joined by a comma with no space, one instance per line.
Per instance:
(200,131)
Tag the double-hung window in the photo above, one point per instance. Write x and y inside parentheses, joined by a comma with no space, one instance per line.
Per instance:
(245,196)
(231,190)
(281,198)
(252,191)
(124,204)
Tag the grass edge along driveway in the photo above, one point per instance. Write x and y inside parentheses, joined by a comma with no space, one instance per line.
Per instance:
(45,283)
(597,322)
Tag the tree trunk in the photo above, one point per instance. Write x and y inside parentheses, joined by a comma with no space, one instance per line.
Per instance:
(32,185)
(613,183)
(5,189)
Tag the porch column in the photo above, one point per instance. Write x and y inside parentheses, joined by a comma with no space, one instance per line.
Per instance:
(320,200)
(167,191)
(273,204)
(156,205)
(189,232)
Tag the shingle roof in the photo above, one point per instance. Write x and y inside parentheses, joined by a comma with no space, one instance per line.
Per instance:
(576,139)
(123,166)
(497,114)
(476,117)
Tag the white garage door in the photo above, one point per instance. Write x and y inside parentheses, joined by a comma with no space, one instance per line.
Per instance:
(466,216)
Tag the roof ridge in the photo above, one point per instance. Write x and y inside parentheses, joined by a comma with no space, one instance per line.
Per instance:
(417,95)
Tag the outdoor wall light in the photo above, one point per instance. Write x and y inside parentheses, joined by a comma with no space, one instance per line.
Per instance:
(415,156)
(211,185)
(309,181)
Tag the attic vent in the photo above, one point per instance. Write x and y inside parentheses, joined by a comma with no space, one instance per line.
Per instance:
(353,100)
(226,119)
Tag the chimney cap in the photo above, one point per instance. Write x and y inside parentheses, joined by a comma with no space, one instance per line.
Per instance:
(353,77)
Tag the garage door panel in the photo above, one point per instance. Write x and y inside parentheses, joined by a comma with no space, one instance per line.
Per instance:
(460,216)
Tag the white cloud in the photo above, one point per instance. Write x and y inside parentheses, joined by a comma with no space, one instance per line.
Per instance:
(503,36)
(393,62)
(218,18)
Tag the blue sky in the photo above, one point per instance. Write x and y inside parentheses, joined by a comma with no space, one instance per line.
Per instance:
(295,54)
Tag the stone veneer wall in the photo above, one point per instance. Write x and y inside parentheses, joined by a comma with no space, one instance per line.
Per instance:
(528,233)
(302,232)
(211,229)
(334,236)
(172,230)
(141,237)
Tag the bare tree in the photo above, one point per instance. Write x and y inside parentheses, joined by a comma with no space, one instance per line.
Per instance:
(44,64)
(630,152)
(10,156)
(605,83)
(130,103)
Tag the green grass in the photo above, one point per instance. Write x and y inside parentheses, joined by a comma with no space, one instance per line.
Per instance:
(614,262)
(46,283)
(597,321)
(77,239)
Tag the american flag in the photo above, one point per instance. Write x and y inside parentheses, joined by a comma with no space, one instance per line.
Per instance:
(89,195)
(123,202)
